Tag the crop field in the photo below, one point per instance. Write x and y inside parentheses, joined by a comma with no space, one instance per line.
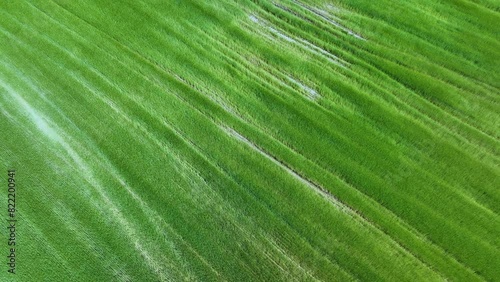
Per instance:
(247,140)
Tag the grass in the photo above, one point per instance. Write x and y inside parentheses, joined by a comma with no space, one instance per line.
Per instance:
(181,141)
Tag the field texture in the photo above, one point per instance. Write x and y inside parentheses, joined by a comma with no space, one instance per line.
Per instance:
(256,140)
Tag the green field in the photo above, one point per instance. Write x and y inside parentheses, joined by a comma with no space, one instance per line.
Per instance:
(239,140)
